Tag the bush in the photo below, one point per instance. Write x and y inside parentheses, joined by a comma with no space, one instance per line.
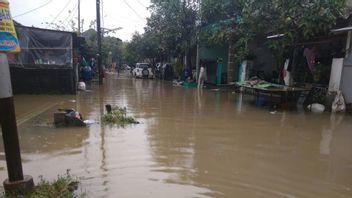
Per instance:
(64,187)
(118,116)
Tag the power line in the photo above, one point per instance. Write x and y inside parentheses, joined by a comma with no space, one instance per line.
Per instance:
(125,19)
(74,10)
(72,15)
(60,12)
(140,3)
(34,9)
(133,10)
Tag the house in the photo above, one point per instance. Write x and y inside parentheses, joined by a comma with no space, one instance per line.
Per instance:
(46,63)
(344,71)
(211,54)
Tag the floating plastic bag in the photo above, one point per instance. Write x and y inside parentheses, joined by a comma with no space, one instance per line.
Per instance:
(316,108)
(82,86)
(339,104)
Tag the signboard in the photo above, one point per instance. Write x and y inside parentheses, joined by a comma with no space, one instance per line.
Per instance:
(8,38)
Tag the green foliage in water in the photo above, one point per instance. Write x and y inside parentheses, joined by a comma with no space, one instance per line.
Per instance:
(118,116)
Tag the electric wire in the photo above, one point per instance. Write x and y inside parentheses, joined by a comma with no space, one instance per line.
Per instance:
(133,9)
(72,15)
(74,9)
(34,9)
(140,3)
(59,13)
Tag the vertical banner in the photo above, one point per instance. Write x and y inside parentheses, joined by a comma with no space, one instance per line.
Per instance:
(8,38)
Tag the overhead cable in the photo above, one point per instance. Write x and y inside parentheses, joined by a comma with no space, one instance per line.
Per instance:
(34,9)
(140,3)
(133,10)
(74,10)
(60,12)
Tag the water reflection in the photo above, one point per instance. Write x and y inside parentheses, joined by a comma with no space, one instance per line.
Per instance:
(251,154)
(191,143)
(327,133)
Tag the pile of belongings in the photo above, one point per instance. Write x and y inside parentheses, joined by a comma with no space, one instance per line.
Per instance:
(259,83)
(68,117)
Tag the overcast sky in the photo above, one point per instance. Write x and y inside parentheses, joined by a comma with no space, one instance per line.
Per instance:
(129,14)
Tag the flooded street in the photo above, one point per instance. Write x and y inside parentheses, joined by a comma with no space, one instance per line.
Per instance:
(189,144)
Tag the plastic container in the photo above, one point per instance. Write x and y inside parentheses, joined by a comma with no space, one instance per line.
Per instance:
(187,84)
(261,101)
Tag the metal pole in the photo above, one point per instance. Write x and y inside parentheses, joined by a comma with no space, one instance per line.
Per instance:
(79,17)
(99,44)
(198,32)
(348,44)
(8,123)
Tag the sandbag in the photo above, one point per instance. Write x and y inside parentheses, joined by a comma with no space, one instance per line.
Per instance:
(338,105)
(81,86)
(316,108)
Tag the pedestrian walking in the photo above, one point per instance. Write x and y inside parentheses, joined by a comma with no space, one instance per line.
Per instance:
(202,76)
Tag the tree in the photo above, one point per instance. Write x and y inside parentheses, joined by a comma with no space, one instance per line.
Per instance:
(173,24)
(297,20)
(240,21)
(131,50)
(109,44)
(142,47)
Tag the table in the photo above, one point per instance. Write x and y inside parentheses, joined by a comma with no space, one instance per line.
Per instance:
(287,94)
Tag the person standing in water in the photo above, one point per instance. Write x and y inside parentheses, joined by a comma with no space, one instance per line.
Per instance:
(202,76)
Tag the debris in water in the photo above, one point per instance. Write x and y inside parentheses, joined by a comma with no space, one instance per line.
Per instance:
(89,122)
(316,108)
(68,117)
(81,86)
(118,116)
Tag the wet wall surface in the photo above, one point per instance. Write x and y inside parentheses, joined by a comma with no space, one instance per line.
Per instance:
(189,144)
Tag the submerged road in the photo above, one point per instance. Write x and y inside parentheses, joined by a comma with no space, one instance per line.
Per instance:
(189,144)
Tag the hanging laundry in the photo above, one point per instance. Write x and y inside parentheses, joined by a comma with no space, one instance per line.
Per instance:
(310,57)
(286,74)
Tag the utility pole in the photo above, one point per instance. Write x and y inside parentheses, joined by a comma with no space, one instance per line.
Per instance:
(79,17)
(198,27)
(17,182)
(99,43)
(8,123)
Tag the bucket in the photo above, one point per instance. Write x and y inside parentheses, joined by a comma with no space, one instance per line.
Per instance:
(261,101)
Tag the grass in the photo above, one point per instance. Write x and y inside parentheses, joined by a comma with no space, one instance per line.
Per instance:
(118,116)
(62,187)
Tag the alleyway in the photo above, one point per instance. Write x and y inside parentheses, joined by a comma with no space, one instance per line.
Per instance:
(189,144)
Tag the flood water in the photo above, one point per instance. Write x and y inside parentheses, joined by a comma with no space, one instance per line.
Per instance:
(189,144)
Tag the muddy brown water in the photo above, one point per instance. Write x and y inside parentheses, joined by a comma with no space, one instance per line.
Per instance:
(189,144)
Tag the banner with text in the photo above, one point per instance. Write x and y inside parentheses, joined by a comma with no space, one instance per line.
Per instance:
(8,37)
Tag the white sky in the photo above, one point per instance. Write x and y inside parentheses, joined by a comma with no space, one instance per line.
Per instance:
(117,13)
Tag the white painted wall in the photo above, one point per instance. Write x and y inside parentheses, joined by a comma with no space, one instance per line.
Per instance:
(335,75)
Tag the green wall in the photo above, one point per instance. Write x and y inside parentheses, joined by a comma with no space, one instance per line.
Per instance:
(214,52)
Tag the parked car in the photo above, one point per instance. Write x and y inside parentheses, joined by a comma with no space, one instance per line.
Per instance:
(143,70)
